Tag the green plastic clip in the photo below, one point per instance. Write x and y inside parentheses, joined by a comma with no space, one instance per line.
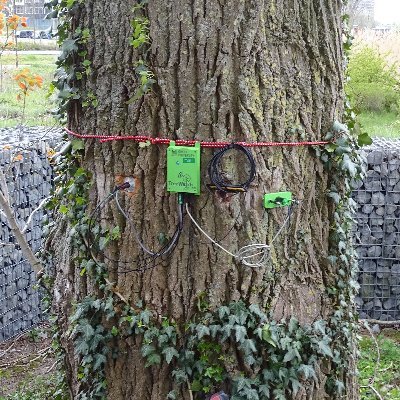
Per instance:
(280,199)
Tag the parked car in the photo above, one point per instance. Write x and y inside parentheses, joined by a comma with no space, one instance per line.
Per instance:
(25,34)
(44,35)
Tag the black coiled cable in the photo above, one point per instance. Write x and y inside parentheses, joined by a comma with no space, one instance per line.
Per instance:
(216,174)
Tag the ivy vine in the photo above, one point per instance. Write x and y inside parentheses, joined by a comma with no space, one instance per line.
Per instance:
(141,41)
(237,346)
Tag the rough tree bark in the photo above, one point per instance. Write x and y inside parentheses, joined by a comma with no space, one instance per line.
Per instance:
(226,70)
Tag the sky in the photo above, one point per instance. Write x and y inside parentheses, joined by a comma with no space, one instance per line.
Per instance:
(387,11)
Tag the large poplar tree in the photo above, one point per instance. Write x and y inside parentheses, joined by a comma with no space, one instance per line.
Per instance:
(239,70)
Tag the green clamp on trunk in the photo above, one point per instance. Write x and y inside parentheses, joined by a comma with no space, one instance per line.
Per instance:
(280,199)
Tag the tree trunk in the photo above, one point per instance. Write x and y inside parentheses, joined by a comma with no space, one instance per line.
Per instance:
(242,70)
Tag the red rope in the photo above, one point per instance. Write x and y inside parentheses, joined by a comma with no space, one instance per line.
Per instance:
(182,142)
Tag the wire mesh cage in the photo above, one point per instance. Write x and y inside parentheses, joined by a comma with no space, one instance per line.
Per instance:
(29,179)
(377,234)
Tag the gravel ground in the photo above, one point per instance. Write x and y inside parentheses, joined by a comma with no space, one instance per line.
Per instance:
(24,359)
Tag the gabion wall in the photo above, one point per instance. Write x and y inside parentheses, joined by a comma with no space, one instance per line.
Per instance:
(29,179)
(377,235)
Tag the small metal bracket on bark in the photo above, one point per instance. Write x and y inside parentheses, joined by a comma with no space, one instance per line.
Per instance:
(134,183)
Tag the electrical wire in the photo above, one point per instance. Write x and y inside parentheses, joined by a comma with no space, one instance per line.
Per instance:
(253,255)
(171,244)
(145,263)
(215,172)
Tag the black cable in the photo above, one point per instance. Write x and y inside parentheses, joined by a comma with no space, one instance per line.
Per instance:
(215,172)
(146,262)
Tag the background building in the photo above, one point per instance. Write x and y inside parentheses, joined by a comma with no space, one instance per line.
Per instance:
(34,10)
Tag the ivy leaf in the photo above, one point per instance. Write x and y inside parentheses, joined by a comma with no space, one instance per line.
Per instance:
(267,336)
(170,353)
(320,326)
(214,330)
(63,209)
(226,331)
(147,349)
(249,346)
(293,325)
(364,139)
(85,328)
(251,394)
(240,333)
(339,386)
(349,166)
(196,386)
(335,196)
(307,370)
(172,395)
(77,144)
(331,147)
(279,394)
(114,331)
(290,355)
(223,311)
(69,46)
(264,390)
(116,233)
(338,127)
(99,361)
(145,317)
(296,385)
(332,260)
(179,375)
(81,347)
(153,359)
(242,384)
(325,349)
(103,241)
(169,331)
(283,374)
(255,309)
(96,340)
(202,331)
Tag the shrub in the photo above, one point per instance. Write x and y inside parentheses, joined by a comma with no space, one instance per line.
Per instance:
(374,83)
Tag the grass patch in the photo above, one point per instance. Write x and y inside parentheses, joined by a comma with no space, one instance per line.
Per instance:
(385,124)
(37,44)
(38,105)
(387,379)
(39,388)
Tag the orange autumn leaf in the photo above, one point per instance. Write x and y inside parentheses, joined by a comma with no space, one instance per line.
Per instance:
(19,157)
(27,81)
(50,152)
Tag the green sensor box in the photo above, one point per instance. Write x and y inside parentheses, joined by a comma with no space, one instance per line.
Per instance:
(280,199)
(183,169)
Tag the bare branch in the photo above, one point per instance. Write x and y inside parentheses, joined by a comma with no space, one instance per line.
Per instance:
(378,322)
(374,390)
(38,208)
(16,231)
(378,358)
(3,186)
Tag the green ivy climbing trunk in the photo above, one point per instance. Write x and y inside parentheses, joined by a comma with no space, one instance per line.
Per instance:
(239,70)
